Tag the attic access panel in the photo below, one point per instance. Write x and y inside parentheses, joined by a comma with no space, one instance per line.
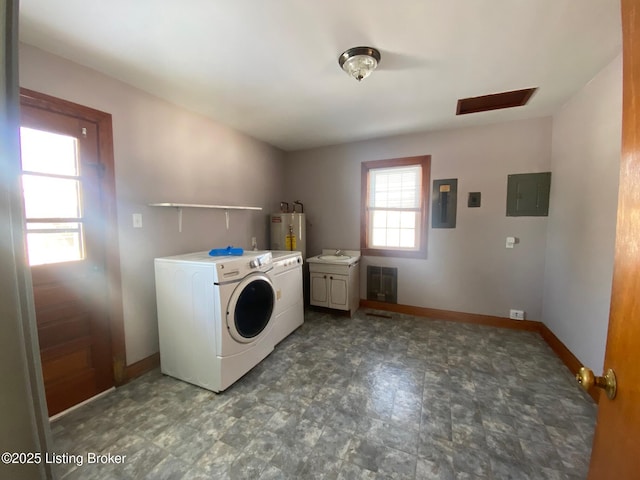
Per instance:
(495,101)
(528,194)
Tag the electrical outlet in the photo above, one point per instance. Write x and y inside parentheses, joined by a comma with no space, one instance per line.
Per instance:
(516,314)
(254,243)
(137,220)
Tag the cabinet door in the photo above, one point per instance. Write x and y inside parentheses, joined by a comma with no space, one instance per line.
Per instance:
(339,292)
(319,292)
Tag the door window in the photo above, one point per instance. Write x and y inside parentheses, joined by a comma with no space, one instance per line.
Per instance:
(52,197)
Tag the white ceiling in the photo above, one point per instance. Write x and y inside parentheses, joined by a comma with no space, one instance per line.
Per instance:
(269,68)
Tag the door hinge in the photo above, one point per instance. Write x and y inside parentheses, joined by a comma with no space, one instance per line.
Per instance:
(83,130)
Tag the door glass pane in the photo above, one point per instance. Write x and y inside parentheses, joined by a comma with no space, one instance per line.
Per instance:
(45,157)
(54,242)
(47,152)
(50,197)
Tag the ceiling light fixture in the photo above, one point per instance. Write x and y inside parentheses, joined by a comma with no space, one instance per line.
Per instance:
(359,62)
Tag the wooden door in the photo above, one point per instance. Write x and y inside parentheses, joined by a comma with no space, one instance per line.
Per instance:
(616,446)
(66,234)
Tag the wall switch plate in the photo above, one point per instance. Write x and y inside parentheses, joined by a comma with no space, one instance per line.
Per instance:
(516,314)
(511,241)
(137,220)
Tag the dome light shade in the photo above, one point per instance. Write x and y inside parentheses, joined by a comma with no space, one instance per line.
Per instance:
(359,62)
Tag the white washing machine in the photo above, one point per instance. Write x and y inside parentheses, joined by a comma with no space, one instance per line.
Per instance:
(286,276)
(215,316)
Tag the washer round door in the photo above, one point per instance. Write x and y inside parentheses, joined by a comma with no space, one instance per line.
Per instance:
(250,308)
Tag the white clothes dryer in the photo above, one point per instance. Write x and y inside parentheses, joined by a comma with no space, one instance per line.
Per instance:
(215,316)
(286,276)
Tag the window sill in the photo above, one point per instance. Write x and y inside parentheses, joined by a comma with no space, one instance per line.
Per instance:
(379,252)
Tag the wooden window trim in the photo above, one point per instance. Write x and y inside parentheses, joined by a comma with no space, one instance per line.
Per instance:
(425,162)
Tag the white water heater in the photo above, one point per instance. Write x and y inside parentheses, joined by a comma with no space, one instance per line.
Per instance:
(288,232)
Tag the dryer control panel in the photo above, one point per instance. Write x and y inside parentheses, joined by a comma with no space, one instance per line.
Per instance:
(260,260)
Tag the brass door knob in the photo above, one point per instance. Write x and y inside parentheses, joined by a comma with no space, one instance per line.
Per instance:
(587,379)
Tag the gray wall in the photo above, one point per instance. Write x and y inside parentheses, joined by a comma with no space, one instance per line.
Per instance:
(585,162)
(468,268)
(22,411)
(164,153)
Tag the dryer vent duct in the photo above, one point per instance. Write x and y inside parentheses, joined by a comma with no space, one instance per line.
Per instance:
(382,284)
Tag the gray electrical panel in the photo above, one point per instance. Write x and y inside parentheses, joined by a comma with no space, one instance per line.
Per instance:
(528,194)
(444,203)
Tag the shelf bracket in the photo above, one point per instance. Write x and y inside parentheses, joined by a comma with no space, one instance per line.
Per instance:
(179,219)
(226,217)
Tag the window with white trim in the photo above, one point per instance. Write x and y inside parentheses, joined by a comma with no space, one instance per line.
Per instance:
(394,199)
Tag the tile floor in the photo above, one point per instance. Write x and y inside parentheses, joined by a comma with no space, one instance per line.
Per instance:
(359,398)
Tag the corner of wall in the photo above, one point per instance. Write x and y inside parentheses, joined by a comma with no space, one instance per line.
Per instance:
(579,254)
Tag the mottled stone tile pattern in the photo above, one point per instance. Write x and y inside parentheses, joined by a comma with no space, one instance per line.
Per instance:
(352,398)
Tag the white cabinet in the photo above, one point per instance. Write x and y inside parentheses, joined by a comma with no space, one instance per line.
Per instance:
(339,292)
(330,290)
(319,289)
(335,286)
